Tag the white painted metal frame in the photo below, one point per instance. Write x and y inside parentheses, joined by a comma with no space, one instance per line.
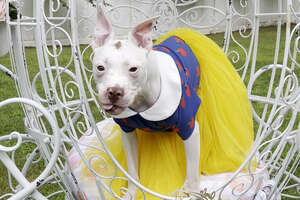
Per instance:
(68,93)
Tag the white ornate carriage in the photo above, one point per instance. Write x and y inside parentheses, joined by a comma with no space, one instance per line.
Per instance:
(57,114)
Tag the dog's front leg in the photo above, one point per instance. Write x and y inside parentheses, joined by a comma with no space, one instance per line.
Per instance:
(192,154)
(129,141)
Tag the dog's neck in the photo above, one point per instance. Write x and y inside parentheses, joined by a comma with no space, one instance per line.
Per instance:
(150,91)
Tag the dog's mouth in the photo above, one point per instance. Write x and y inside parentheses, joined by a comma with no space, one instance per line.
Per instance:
(112,109)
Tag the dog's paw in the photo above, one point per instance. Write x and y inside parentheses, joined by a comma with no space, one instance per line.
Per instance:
(191,186)
(129,195)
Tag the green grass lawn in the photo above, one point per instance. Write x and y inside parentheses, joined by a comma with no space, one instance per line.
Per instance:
(11,117)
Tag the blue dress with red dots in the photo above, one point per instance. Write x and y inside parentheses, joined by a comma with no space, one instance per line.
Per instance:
(182,121)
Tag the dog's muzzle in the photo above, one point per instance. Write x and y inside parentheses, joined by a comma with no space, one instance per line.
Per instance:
(114,94)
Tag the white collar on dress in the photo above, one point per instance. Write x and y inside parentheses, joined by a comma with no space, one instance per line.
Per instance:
(170,92)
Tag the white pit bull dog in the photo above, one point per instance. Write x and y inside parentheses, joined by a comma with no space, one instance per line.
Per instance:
(132,80)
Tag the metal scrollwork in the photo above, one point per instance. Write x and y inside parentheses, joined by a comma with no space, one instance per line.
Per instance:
(185,2)
(167,12)
(16,146)
(54,6)
(201,195)
(244,3)
(68,91)
(125,17)
(193,17)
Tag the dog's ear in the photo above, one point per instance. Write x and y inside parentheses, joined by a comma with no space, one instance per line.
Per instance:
(141,35)
(103,30)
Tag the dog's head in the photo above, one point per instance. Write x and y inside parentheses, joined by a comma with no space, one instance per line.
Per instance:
(119,66)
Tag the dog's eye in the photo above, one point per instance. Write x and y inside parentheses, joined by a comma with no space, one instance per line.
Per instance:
(133,69)
(100,68)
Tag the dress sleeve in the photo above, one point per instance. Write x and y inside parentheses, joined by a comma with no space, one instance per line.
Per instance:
(186,129)
(187,114)
(123,125)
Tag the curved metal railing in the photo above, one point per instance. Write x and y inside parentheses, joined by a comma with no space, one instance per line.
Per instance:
(68,95)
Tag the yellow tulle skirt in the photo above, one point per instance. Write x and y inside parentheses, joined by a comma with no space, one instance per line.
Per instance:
(224,117)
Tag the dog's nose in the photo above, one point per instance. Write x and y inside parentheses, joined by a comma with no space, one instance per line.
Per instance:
(115,93)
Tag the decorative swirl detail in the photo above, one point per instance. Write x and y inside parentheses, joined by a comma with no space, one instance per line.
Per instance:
(201,195)
(69,90)
(81,127)
(244,3)
(32,155)
(192,16)
(56,54)
(98,159)
(117,19)
(59,20)
(101,162)
(60,71)
(243,28)
(115,15)
(278,121)
(50,156)
(167,11)
(264,156)
(234,55)
(123,190)
(241,188)
(185,2)
(58,5)
(243,33)
(290,94)
(13,135)
(101,165)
